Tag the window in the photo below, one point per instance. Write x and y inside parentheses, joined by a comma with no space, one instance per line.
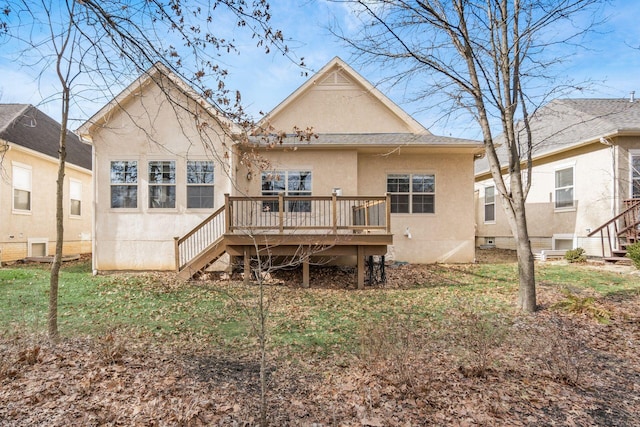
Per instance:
(635,176)
(124,184)
(562,242)
(75,196)
(412,193)
(291,183)
(37,246)
(199,184)
(162,184)
(21,180)
(564,188)
(490,204)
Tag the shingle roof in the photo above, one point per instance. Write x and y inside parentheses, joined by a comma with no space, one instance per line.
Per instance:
(380,139)
(25,125)
(564,123)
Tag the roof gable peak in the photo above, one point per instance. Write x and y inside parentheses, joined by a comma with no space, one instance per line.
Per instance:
(337,75)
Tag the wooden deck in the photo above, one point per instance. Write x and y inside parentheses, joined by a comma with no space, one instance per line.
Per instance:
(293,226)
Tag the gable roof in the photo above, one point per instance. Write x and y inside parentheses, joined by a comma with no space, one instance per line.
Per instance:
(564,124)
(27,126)
(143,81)
(337,72)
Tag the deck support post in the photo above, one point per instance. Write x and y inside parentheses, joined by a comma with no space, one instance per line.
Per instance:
(247,266)
(305,271)
(361,267)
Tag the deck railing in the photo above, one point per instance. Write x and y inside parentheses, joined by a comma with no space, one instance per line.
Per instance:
(308,214)
(286,215)
(200,238)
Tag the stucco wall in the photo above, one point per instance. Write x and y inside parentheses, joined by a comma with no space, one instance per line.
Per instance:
(344,111)
(448,234)
(17,227)
(337,103)
(152,128)
(330,169)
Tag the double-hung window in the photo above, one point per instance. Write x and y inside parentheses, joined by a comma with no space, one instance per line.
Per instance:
(124,184)
(564,188)
(490,204)
(291,183)
(412,193)
(75,196)
(162,184)
(21,182)
(199,184)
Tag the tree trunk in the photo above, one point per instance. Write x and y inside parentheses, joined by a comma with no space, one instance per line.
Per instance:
(57,260)
(526,268)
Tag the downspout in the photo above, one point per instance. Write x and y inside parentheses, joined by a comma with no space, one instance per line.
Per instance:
(94,245)
(614,165)
(94,203)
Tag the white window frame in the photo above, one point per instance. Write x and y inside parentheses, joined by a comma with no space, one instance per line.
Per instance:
(77,193)
(291,206)
(411,192)
(35,241)
(572,187)
(21,187)
(493,204)
(632,154)
(200,184)
(165,185)
(563,237)
(135,184)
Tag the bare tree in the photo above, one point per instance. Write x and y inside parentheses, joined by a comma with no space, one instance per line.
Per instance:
(93,45)
(491,59)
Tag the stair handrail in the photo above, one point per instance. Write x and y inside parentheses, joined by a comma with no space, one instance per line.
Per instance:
(217,232)
(617,217)
(632,205)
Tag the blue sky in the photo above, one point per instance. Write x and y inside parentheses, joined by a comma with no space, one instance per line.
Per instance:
(612,62)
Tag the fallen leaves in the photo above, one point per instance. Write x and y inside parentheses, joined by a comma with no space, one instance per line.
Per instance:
(405,368)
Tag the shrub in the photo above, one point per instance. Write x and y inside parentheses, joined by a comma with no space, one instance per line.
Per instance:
(582,305)
(481,336)
(633,252)
(563,354)
(575,255)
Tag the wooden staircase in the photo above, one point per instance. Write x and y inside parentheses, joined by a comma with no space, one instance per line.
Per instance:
(202,246)
(620,232)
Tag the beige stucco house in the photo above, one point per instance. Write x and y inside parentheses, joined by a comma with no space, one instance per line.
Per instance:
(336,165)
(584,179)
(162,164)
(28,171)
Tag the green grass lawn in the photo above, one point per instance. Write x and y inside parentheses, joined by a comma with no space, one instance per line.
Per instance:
(320,321)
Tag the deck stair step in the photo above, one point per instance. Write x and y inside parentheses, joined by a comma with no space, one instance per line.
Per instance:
(203,260)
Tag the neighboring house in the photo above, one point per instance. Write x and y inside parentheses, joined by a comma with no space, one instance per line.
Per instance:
(586,158)
(326,192)
(29,141)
